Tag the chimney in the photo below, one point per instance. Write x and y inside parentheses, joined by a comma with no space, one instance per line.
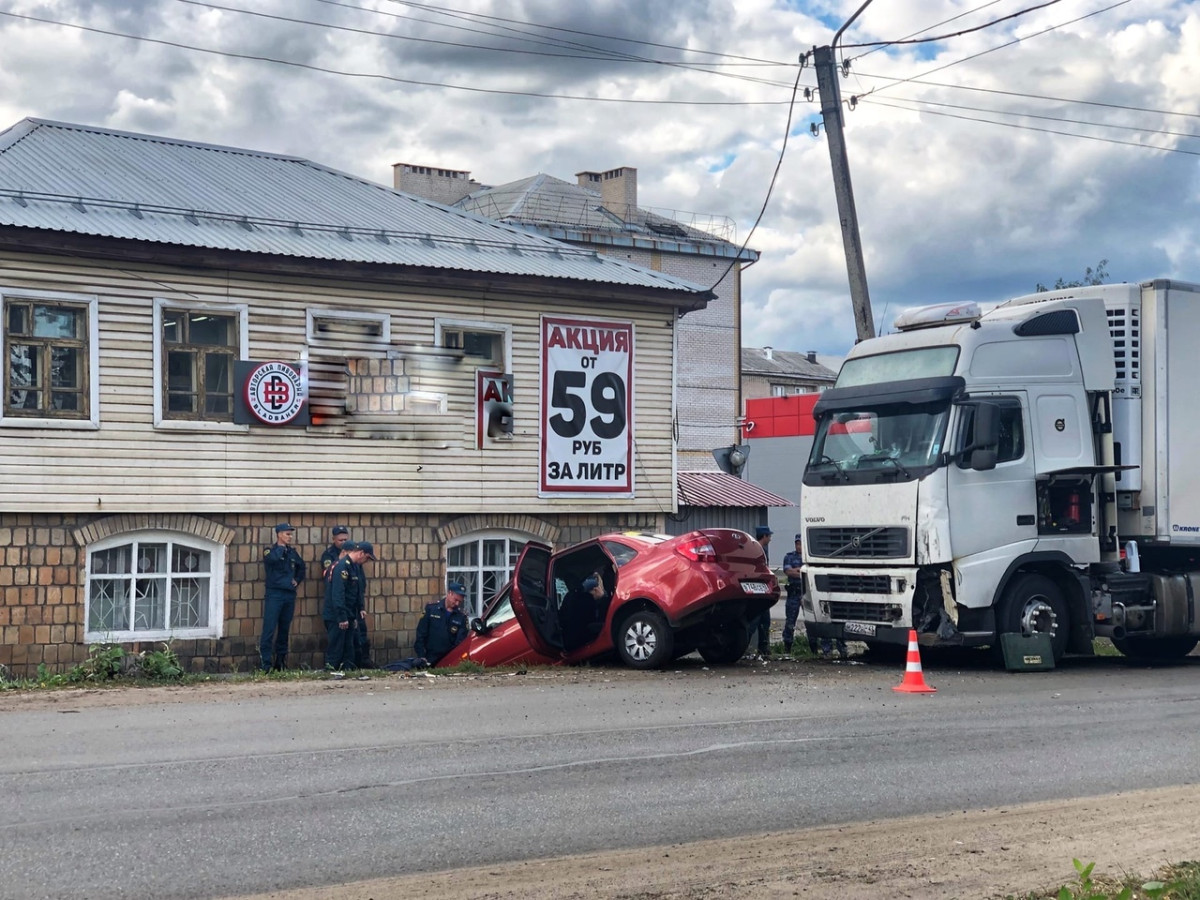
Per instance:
(446,186)
(617,187)
(812,355)
(767,351)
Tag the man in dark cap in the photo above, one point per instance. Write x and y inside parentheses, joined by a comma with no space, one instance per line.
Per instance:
(792,562)
(443,625)
(762,624)
(361,640)
(333,552)
(285,572)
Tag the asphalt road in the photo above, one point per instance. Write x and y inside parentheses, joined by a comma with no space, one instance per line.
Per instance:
(208,794)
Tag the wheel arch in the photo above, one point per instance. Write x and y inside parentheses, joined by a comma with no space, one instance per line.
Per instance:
(1059,568)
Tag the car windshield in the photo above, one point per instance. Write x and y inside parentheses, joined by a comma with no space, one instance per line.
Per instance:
(499,609)
(897,438)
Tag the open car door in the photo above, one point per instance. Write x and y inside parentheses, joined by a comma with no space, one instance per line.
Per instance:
(535,602)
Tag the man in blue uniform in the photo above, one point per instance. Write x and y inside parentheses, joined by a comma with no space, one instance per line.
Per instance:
(342,600)
(360,642)
(284,573)
(442,627)
(333,552)
(795,588)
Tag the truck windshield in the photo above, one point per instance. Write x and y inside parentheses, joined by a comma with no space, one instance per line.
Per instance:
(902,440)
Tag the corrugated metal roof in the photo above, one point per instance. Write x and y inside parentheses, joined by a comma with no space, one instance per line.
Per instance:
(543,200)
(720,489)
(784,362)
(94,181)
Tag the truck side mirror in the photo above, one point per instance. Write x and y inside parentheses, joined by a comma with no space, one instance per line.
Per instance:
(983,459)
(986,429)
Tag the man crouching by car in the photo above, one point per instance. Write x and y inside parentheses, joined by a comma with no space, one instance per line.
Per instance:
(443,626)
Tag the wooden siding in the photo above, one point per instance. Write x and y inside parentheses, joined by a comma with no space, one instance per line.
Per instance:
(129,465)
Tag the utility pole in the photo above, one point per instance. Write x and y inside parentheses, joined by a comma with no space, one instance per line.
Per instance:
(831,114)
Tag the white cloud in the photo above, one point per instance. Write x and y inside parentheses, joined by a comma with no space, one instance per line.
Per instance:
(948,208)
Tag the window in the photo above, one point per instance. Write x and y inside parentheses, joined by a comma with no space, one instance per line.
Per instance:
(194,351)
(341,326)
(484,564)
(1012,429)
(50,349)
(483,344)
(154,586)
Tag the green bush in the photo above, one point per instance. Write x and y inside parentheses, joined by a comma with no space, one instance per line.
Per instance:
(159,665)
(104,663)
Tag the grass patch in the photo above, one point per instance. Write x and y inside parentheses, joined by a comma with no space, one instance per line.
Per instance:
(1180,881)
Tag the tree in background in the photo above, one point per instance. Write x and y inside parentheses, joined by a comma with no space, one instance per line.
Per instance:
(1090,276)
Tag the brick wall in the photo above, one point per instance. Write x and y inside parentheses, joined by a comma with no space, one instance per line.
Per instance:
(43,579)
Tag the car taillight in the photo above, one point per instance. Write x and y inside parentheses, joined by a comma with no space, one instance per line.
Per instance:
(697,550)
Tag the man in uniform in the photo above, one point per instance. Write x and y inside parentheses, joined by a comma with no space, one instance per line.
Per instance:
(333,552)
(341,599)
(284,573)
(795,588)
(360,652)
(442,627)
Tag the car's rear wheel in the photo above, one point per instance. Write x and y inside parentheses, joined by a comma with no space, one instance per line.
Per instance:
(726,644)
(645,640)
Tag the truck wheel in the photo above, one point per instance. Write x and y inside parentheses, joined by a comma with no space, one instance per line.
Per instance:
(1156,648)
(1034,604)
(645,640)
(726,644)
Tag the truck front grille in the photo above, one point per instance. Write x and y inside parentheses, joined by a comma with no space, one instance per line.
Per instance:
(858,543)
(865,612)
(853,584)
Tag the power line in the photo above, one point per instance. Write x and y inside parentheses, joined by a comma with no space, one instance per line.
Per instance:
(929,28)
(1005,112)
(943,37)
(770,187)
(379,76)
(1086,137)
(1003,46)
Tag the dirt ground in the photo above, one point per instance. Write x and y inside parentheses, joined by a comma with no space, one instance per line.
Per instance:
(991,853)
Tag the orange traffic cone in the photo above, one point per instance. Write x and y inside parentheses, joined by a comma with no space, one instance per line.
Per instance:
(913,681)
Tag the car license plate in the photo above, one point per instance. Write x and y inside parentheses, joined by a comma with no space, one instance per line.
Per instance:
(754,587)
(864,628)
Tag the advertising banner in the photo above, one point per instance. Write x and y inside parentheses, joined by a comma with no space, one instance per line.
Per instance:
(269,393)
(587,407)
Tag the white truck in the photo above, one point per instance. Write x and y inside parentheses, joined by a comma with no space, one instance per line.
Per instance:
(1028,470)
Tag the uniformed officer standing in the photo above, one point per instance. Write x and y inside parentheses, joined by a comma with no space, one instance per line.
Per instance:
(792,562)
(333,552)
(762,623)
(284,573)
(443,626)
(360,642)
(341,604)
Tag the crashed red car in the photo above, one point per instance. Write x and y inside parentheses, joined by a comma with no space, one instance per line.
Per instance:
(664,596)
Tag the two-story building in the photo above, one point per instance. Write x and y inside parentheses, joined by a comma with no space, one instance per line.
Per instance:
(203,341)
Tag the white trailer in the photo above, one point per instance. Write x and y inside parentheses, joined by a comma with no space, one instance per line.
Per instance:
(1032,469)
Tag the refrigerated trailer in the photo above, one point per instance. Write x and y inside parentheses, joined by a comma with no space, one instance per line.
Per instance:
(1029,470)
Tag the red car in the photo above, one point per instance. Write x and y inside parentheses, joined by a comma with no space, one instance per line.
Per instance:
(661,597)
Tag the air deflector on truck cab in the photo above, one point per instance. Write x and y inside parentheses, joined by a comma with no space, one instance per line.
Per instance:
(941,389)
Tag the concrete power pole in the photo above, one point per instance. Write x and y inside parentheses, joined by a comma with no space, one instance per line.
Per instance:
(831,114)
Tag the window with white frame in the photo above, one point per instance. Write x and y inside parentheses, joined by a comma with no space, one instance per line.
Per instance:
(154,586)
(195,347)
(50,352)
(484,344)
(484,563)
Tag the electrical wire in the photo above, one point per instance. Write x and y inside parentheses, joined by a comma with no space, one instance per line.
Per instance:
(770,187)
(389,78)
(961,15)
(943,37)
(1086,137)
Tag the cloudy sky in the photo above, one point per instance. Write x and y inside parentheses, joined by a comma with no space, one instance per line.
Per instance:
(1061,134)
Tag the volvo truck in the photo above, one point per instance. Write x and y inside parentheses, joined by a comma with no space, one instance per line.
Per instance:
(1029,469)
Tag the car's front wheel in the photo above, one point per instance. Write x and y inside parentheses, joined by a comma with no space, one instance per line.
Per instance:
(645,640)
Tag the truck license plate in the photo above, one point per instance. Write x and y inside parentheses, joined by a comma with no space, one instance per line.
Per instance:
(754,587)
(864,628)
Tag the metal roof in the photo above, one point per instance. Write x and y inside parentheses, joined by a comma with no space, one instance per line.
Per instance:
(720,489)
(784,363)
(548,203)
(94,181)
